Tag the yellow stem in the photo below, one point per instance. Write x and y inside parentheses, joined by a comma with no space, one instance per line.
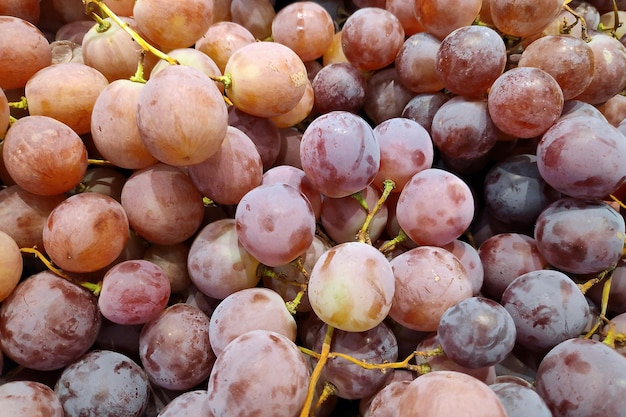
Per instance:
(618,201)
(46,262)
(317,372)
(99,162)
(363,235)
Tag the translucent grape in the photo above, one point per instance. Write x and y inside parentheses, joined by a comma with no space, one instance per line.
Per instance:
(351,287)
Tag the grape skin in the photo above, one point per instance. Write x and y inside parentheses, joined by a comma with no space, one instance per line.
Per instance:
(29,398)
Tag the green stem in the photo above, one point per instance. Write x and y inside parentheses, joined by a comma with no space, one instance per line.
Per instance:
(22,104)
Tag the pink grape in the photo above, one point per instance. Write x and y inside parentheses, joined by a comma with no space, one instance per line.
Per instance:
(435,207)
(11,265)
(523,18)
(86,232)
(134,292)
(436,17)
(48,322)
(340,153)
(279,213)
(274,362)
(265,309)
(174,348)
(189,404)
(218,263)
(295,176)
(415,63)
(429,395)
(29,398)
(351,287)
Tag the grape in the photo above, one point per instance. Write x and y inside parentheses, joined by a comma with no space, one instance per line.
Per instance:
(188,404)
(342,218)
(44,156)
(162,204)
(609,74)
(436,17)
(371,38)
(523,18)
(423,107)
(351,287)
(193,58)
(11,265)
(405,149)
(340,153)
(463,130)
(415,63)
(133,292)
(334,54)
(580,236)
(5,113)
(444,363)
(25,51)
(428,281)
(48,322)
(29,398)
(49,94)
(386,402)
(289,151)
(339,86)
(515,192)
(23,215)
(377,345)
(175,349)
(173,25)
(231,172)
(181,116)
(113,51)
(299,112)
(582,157)
(614,109)
(254,15)
(268,79)
(289,276)
(547,308)
(173,261)
(617,293)
(28,10)
(114,126)
(575,58)
(470,258)
(305,27)
(385,96)
(260,372)
(470,59)
(120,338)
(582,378)
(574,108)
(263,309)
(520,401)
(222,39)
(261,130)
(102,180)
(218,264)
(278,213)
(103,383)
(86,232)
(506,256)
(435,207)
(296,177)
(486,342)
(405,12)
(429,395)
(525,101)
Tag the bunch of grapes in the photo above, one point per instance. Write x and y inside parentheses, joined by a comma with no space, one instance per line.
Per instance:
(361,208)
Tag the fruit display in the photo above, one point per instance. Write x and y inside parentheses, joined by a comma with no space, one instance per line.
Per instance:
(332,208)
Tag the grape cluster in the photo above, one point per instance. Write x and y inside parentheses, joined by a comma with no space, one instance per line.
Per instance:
(372,208)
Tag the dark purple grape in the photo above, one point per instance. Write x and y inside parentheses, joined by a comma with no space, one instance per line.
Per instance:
(582,377)
(103,384)
(423,107)
(580,236)
(547,308)
(515,192)
(339,86)
(48,322)
(477,332)
(377,345)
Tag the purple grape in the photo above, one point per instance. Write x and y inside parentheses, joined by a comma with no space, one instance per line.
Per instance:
(477,332)
(547,308)
(580,236)
(582,377)
(103,384)
(48,322)
(520,401)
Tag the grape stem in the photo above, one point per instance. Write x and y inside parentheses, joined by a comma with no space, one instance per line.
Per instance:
(329,389)
(583,23)
(89,5)
(22,104)
(315,375)
(45,261)
(363,235)
(99,162)
(390,245)
(606,289)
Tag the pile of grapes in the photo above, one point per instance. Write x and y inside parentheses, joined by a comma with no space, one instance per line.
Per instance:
(256,208)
